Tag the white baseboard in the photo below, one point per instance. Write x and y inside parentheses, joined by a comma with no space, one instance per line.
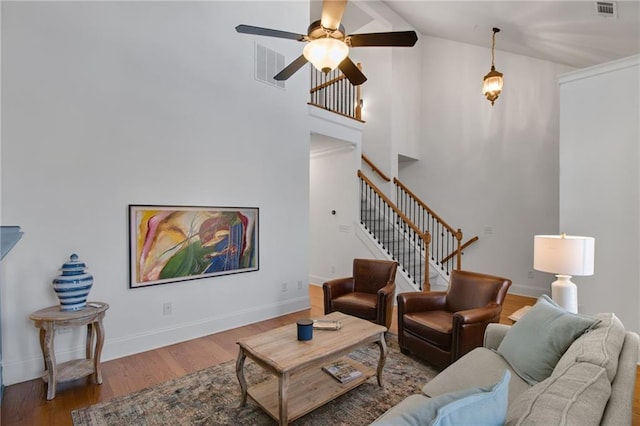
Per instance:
(524,290)
(31,367)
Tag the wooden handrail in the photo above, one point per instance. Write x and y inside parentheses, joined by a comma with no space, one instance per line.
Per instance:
(424,235)
(462,247)
(336,94)
(375,168)
(327,83)
(457,233)
(394,208)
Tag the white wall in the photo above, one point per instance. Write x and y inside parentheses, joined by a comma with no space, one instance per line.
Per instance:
(116,103)
(492,171)
(392,93)
(600,181)
(332,235)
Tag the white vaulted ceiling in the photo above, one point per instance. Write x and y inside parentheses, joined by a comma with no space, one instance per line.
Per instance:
(566,32)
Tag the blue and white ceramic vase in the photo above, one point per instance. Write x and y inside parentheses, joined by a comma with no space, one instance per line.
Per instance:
(73,285)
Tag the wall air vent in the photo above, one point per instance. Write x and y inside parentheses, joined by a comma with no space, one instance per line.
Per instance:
(608,9)
(268,63)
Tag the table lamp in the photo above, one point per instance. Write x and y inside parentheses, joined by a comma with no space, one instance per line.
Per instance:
(564,255)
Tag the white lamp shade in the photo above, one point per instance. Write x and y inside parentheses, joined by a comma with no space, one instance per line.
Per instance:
(564,254)
(325,53)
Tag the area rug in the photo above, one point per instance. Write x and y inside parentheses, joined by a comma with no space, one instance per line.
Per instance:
(211,397)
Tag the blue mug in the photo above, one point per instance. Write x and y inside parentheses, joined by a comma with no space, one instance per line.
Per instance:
(305,329)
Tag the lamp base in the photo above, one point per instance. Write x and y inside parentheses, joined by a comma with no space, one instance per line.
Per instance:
(565,293)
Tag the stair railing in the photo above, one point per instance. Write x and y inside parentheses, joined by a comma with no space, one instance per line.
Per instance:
(446,244)
(375,168)
(333,92)
(401,238)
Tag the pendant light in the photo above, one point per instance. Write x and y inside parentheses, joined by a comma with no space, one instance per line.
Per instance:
(492,84)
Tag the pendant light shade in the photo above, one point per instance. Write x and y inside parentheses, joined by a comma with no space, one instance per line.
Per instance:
(325,53)
(492,83)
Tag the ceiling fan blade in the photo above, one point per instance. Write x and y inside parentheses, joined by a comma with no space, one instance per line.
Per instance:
(397,38)
(249,29)
(332,11)
(290,69)
(351,71)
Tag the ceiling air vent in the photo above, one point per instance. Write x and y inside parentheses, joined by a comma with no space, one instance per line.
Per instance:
(608,9)
(268,63)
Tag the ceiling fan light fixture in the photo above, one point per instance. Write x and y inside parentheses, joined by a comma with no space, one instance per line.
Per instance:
(325,53)
(492,83)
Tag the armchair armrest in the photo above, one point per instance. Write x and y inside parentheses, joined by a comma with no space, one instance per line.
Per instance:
(385,304)
(418,301)
(387,290)
(469,327)
(477,315)
(339,286)
(336,288)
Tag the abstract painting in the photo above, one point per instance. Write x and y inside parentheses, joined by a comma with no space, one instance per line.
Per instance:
(179,243)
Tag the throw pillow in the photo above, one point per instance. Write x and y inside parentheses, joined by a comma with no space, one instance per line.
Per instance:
(533,345)
(600,345)
(481,406)
(577,397)
(484,408)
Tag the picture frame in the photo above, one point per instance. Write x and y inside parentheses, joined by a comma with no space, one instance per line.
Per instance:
(170,244)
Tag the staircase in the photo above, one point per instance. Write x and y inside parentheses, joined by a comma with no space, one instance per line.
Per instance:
(394,239)
(394,233)
(426,248)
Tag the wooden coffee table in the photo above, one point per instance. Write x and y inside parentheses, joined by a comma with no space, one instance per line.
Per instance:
(299,385)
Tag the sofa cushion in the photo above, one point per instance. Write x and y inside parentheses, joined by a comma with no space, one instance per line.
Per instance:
(435,327)
(600,345)
(478,406)
(534,344)
(577,397)
(361,304)
(480,367)
(486,407)
(414,410)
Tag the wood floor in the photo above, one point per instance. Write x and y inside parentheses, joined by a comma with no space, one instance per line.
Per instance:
(25,403)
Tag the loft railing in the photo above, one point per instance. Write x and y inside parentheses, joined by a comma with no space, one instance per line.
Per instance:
(400,237)
(334,92)
(446,242)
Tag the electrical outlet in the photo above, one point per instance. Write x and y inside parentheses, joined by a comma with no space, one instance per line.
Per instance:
(167,308)
(63,330)
(284,287)
(300,285)
(333,269)
(531,275)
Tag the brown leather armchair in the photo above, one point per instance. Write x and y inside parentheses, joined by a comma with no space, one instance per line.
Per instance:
(368,294)
(442,326)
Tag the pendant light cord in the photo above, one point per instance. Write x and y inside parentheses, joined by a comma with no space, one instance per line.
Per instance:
(493,46)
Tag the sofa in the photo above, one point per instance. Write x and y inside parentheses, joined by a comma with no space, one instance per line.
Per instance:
(550,368)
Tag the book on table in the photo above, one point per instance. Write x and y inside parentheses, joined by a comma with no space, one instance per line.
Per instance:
(327,324)
(342,371)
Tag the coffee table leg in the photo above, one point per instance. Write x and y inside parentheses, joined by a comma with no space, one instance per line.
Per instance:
(283,382)
(240,374)
(383,356)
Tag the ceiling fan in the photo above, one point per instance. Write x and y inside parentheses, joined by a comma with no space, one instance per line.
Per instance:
(328,45)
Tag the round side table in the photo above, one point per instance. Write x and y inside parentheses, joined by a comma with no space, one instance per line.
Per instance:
(50,319)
